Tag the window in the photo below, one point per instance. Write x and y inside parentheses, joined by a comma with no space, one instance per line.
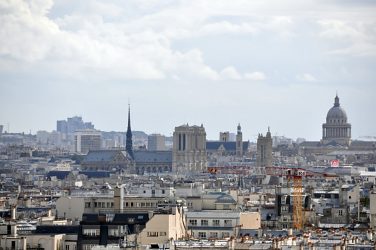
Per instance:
(91,232)
(126,204)
(113,232)
(204,222)
(152,234)
(163,191)
(228,223)
(213,235)
(215,223)
(340,212)
(202,235)
(87,204)
(95,204)
(162,233)
(66,247)
(225,235)
(193,222)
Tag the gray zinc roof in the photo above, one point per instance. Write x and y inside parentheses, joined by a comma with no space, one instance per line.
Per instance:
(153,156)
(102,155)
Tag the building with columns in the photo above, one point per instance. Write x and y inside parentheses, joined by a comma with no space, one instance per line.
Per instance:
(189,149)
(336,129)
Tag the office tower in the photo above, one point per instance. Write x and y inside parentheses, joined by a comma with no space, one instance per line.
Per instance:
(156,142)
(86,140)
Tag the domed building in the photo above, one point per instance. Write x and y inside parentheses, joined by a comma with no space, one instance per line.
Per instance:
(336,130)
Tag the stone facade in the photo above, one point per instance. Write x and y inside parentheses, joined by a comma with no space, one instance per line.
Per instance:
(264,151)
(189,149)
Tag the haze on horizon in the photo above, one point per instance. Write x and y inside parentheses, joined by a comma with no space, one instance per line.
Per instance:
(276,63)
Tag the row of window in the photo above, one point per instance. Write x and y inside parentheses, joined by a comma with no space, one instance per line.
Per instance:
(100,204)
(212,235)
(96,232)
(215,223)
(91,232)
(155,234)
(140,204)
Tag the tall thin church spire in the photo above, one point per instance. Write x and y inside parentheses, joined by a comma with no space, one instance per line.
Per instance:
(128,143)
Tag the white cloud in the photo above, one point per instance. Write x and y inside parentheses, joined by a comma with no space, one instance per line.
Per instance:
(356,38)
(306,77)
(230,73)
(255,76)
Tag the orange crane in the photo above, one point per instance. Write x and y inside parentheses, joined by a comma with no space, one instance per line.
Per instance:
(296,175)
(297,196)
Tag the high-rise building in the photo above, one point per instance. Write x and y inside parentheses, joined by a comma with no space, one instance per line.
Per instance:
(72,124)
(128,142)
(239,142)
(156,142)
(264,157)
(86,140)
(189,149)
(62,126)
(336,129)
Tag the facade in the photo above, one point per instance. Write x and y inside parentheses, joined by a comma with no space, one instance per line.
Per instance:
(156,142)
(86,140)
(101,229)
(164,227)
(189,149)
(336,128)
(219,225)
(264,156)
(372,198)
(148,162)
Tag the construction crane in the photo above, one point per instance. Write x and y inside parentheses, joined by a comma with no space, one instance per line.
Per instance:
(297,195)
(296,176)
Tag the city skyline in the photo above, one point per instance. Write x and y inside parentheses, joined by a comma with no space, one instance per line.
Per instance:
(260,64)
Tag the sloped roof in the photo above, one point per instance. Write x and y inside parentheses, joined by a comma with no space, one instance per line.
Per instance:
(225,199)
(102,155)
(369,144)
(153,156)
(310,144)
(228,145)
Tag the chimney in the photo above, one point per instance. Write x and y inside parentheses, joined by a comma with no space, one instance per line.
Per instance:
(13,212)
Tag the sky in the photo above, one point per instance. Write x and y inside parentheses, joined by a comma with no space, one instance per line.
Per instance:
(260,63)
